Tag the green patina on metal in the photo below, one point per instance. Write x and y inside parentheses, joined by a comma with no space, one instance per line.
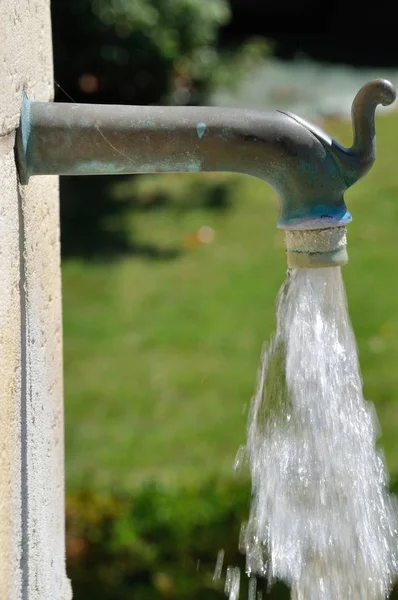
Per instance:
(308,169)
(201,129)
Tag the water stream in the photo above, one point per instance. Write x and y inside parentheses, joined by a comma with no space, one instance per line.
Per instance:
(321,517)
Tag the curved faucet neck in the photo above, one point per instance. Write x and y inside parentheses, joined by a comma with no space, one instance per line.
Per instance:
(363,110)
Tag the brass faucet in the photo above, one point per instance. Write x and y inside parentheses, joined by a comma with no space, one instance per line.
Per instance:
(309,170)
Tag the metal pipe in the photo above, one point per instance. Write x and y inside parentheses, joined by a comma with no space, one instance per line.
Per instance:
(308,169)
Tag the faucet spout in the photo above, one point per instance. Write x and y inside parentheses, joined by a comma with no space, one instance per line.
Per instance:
(307,168)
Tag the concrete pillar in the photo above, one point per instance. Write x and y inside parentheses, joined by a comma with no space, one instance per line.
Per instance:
(32,548)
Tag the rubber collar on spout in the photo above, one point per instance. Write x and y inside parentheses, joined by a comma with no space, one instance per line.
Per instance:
(316,248)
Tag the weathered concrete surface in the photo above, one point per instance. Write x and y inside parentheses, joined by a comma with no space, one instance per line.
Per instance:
(32,561)
(26,56)
(10,377)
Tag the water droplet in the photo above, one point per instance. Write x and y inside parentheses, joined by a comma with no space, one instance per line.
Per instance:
(219,564)
(232,583)
(252,588)
(239,458)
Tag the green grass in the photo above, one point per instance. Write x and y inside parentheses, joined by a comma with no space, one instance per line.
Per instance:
(161,355)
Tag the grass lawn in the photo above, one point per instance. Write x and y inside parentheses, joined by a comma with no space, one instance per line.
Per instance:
(161,354)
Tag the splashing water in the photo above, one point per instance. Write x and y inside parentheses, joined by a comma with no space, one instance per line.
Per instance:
(321,517)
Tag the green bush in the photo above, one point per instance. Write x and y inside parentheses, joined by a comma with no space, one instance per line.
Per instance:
(145,51)
(156,543)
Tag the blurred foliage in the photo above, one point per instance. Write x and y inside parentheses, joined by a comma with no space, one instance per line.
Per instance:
(145,51)
(157,544)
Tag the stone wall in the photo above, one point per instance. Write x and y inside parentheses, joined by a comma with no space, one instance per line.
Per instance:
(32,555)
